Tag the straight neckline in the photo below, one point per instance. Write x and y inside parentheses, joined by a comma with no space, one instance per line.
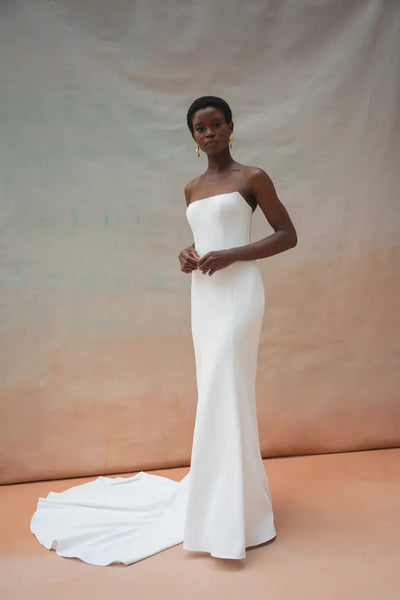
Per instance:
(217,195)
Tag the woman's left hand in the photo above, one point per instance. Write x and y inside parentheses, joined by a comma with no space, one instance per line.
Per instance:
(215,260)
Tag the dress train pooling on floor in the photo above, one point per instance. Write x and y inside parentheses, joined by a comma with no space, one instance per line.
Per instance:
(223,504)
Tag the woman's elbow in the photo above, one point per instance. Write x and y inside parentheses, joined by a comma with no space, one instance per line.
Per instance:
(292,238)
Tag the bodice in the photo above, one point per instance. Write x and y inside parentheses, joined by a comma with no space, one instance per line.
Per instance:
(219,222)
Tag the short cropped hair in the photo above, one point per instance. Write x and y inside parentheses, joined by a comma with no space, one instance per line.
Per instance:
(205,102)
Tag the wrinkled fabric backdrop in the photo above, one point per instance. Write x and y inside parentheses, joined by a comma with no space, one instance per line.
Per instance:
(97,365)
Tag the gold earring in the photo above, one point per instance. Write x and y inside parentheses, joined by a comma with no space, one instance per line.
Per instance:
(197,150)
(231,140)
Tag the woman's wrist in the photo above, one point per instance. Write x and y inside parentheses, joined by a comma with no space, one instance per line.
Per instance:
(232,254)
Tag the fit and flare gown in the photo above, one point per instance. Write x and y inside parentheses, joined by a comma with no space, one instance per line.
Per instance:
(223,505)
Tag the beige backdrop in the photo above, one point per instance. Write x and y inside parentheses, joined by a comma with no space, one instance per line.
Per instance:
(97,366)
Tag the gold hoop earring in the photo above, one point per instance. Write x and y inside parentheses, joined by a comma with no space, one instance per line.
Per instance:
(231,140)
(197,150)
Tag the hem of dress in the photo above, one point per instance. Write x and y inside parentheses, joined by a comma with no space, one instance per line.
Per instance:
(224,555)
(96,562)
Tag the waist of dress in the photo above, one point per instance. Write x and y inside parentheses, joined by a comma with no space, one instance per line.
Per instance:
(204,248)
(235,270)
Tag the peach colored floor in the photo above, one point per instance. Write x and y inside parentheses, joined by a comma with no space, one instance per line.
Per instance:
(338,537)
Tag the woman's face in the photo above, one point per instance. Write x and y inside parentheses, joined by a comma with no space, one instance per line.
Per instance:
(210,130)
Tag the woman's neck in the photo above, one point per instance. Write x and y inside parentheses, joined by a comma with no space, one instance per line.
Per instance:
(220,162)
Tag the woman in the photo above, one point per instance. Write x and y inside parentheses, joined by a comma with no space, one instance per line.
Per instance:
(223,504)
(229,505)
(210,121)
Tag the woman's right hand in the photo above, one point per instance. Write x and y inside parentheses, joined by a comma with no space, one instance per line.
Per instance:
(188,258)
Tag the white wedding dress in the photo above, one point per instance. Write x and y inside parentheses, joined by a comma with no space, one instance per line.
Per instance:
(223,505)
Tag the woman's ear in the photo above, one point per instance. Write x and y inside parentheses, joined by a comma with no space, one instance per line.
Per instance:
(230,127)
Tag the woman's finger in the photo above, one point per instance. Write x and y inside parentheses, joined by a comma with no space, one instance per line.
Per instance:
(204,258)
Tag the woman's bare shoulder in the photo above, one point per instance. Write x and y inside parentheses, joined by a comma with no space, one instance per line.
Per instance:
(254,174)
(258,183)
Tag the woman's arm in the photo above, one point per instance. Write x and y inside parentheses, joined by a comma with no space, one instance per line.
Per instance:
(188,257)
(284,237)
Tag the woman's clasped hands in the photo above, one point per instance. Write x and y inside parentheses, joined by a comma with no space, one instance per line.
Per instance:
(209,263)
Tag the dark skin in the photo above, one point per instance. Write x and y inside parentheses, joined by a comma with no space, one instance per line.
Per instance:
(224,175)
